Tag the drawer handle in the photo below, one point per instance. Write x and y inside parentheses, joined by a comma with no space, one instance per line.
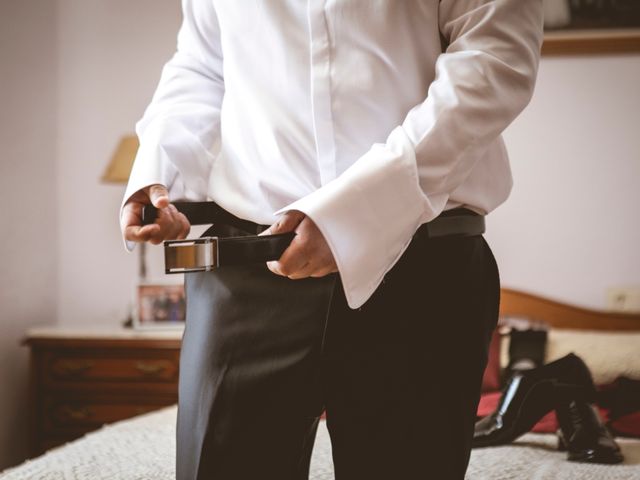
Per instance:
(143,410)
(150,368)
(71,367)
(80,413)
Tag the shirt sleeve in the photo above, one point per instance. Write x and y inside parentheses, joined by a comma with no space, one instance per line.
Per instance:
(180,130)
(484,79)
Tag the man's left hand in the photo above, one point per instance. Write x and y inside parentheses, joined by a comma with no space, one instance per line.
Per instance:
(308,255)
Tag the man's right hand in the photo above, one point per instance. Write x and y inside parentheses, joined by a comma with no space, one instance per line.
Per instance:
(169,225)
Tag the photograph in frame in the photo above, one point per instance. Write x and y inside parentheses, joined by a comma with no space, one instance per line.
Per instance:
(159,305)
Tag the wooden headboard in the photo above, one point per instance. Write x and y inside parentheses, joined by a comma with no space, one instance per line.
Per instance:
(560,315)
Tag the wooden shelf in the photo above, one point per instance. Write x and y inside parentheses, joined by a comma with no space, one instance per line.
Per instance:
(591,42)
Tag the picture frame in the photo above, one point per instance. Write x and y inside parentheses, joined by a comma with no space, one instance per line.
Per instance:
(159,305)
(591,27)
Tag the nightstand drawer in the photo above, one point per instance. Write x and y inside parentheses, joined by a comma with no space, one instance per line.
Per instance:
(68,368)
(76,414)
(82,380)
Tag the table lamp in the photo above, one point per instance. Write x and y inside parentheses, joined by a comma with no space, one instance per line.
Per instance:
(118,172)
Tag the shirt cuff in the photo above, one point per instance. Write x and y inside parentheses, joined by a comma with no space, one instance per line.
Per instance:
(369,214)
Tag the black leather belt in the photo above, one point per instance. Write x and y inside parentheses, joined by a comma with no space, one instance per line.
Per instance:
(207,253)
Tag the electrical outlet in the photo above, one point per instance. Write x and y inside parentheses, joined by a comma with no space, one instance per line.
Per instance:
(624,299)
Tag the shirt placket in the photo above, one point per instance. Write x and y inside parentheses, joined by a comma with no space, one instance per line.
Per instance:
(320,53)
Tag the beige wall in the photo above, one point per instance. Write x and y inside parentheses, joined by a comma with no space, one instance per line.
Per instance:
(568,231)
(28,229)
(111,53)
(571,227)
(74,76)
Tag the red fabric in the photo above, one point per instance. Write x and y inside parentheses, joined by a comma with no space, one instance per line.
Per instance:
(627,425)
(491,377)
(547,424)
(488,403)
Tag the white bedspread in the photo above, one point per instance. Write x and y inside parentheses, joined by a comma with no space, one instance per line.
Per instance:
(143,449)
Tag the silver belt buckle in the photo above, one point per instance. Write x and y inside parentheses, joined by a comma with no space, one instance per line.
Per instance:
(194,255)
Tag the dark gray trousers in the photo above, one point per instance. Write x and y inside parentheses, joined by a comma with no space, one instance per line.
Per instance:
(263,355)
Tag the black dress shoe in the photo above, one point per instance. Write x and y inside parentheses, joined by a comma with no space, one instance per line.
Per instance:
(584,436)
(530,395)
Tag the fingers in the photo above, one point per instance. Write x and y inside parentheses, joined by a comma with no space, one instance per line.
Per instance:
(170,224)
(158,195)
(180,225)
(131,223)
(288,222)
(185,226)
(308,255)
(293,261)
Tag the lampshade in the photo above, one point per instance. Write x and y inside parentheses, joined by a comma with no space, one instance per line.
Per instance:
(118,171)
(121,162)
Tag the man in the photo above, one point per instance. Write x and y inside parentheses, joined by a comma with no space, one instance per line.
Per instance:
(353,123)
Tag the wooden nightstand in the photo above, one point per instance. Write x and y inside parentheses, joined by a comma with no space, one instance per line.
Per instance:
(84,378)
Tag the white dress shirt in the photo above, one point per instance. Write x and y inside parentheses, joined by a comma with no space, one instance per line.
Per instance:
(347,110)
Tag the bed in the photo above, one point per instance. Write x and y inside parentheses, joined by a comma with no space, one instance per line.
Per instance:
(143,447)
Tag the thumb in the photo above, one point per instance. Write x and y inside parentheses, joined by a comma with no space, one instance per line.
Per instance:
(159,196)
(287,223)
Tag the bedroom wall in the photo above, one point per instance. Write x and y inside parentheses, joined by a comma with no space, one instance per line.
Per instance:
(110,56)
(27,201)
(570,229)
